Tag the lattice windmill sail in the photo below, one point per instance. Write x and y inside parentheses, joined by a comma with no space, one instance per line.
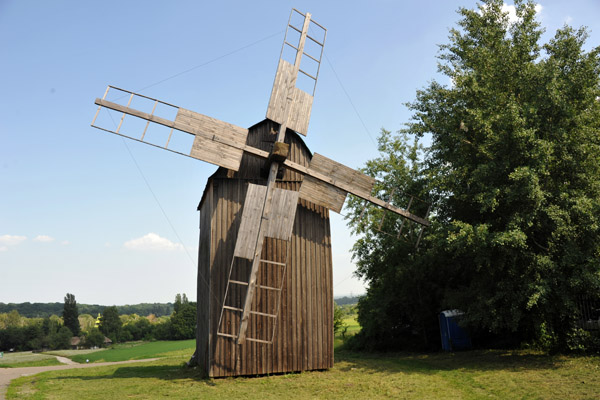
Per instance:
(267,219)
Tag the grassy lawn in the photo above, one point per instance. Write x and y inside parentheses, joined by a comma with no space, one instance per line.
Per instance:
(467,375)
(26,359)
(136,351)
(71,353)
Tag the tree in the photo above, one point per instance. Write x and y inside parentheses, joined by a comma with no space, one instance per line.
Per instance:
(338,318)
(140,329)
(183,322)
(180,300)
(61,339)
(94,338)
(513,172)
(71,314)
(86,322)
(110,323)
(11,319)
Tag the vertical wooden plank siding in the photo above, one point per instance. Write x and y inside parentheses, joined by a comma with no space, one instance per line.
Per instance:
(203,291)
(303,337)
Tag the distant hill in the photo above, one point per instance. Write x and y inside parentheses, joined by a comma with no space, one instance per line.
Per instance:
(42,310)
(341,301)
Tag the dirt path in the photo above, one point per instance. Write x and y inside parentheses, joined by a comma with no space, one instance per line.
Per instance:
(8,374)
(66,360)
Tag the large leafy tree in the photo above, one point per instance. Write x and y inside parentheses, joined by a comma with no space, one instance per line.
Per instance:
(513,172)
(71,314)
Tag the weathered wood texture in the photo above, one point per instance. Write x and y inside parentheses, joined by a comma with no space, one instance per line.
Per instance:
(215,141)
(220,143)
(303,335)
(299,115)
(323,194)
(279,225)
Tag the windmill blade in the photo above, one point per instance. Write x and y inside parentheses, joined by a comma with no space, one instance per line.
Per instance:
(279,224)
(286,102)
(286,79)
(216,142)
(327,183)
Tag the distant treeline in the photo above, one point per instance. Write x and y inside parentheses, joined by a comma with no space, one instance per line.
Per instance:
(43,310)
(342,301)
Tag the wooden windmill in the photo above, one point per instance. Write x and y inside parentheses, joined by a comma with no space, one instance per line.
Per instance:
(264,269)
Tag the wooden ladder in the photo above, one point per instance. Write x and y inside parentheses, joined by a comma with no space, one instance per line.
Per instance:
(231,303)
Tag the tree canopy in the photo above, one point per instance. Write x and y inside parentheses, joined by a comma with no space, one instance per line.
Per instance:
(513,175)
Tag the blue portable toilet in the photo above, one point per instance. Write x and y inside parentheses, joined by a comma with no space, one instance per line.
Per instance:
(453,336)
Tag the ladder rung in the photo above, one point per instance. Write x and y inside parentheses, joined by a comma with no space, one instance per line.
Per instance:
(308,55)
(269,288)
(226,335)
(238,282)
(258,340)
(273,262)
(291,45)
(263,314)
(309,75)
(233,308)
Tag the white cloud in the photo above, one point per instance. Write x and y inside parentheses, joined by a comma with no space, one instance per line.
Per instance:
(10,240)
(43,238)
(65,242)
(568,20)
(152,241)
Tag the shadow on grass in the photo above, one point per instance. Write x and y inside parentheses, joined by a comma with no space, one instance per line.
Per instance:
(164,372)
(433,363)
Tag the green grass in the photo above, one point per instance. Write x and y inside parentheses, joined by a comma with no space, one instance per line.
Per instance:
(352,324)
(350,327)
(71,353)
(27,359)
(467,375)
(136,351)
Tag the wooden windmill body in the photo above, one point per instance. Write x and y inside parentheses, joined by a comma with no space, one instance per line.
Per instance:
(303,336)
(265,293)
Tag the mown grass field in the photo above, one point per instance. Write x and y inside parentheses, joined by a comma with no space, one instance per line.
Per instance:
(26,359)
(71,353)
(467,375)
(135,351)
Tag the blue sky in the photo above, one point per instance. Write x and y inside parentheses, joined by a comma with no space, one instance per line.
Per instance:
(83,212)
